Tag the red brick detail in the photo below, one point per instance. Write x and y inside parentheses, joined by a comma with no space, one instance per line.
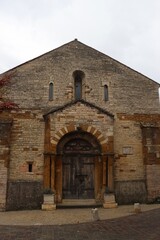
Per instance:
(101,139)
(97,134)
(71,128)
(55,139)
(85,128)
(139,117)
(59,134)
(92,130)
(104,148)
(63,131)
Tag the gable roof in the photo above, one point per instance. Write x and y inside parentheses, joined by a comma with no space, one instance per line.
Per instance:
(76,42)
(69,104)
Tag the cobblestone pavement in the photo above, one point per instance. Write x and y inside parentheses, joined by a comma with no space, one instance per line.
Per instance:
(145,225)
(141,226)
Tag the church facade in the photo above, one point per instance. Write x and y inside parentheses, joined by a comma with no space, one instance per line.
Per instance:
(86,124)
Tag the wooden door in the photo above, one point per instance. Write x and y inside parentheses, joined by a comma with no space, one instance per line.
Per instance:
(78,170)
(78,177)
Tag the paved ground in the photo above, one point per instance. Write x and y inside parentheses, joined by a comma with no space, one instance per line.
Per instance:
(127,226)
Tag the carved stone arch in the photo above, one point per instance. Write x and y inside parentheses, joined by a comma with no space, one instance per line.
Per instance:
(102,161)
(78,73)
(87,139)
(78,165)
(86,128)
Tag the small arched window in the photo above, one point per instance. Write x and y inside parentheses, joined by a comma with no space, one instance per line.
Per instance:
(78,88)
(51,91)
(105,93)
(78,78)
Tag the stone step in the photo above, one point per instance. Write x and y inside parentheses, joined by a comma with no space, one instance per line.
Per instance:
(78,203)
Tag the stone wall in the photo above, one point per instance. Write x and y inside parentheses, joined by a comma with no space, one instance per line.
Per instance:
(21,144)
(27,146)
(129,192)
(24,195)
(151,152)
(3,185)
(129,163)
(30,85)
(80,114)
(137,157)
(133,99)
(153,182)
(5,131)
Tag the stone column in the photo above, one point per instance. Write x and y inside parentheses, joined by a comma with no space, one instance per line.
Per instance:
(110,173)
(104,173)
(46,177)
(109,198)
(53,159)
(58,177)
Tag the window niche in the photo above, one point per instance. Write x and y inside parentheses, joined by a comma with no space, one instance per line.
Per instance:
(78,81)
(106,93)
(30,167)
(51,91)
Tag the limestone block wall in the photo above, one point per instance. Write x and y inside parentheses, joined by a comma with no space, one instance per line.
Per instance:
(84,118)
(24,195)
(30,84)
(129,163)
(5,130)
(80,114)
(151,152)
(129,93)
(3,185)
(153,180)
(137,157)
(129,168)
(21,160)
(27,146)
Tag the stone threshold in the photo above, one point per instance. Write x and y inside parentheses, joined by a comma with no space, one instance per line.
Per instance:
(80,203)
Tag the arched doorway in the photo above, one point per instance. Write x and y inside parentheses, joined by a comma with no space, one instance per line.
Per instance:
(79,153)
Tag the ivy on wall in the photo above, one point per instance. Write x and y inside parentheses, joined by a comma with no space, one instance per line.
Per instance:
(5,82)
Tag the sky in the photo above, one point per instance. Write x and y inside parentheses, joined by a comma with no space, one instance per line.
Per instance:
(126,30)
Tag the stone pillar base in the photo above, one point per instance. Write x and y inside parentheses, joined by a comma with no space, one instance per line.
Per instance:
(110,205)
(48,207)
(109,201)
(48,203)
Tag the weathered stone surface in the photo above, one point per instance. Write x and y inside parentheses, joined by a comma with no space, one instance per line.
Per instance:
(119,124)
(5,132)
(126,87)
(109,201)
(24,195)
(128,192)
(48,202)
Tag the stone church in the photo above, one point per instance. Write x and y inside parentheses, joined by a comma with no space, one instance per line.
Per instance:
(86,125)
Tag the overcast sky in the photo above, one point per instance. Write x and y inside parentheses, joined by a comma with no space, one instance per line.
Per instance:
(127,30)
